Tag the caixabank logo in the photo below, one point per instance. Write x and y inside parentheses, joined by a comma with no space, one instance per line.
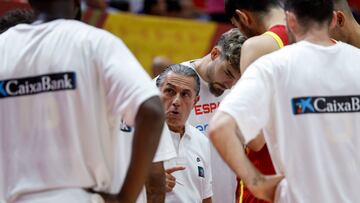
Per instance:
(326,104)
(37,84)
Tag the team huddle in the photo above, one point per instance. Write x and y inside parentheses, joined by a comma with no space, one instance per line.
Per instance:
(269,115)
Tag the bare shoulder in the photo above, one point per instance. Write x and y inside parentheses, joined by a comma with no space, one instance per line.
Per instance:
(256,47)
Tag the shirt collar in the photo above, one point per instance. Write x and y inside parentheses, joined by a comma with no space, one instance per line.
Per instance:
(187,132)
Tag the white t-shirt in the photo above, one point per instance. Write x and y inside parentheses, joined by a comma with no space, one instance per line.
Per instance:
(164,152)
(63,87)
(224,179)
(306,98)
(195,182)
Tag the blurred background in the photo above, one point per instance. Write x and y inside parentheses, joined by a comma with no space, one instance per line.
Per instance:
(158,32)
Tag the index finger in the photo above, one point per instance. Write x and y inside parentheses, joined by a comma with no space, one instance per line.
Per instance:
(175,168)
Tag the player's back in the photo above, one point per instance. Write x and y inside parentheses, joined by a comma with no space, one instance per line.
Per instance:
(315,121)
(53,108)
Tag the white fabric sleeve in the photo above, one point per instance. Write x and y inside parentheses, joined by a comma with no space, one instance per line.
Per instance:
(166,149)
(208,191)
(249,101)
(126,83)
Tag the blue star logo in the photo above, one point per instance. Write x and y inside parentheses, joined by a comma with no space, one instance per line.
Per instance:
(306,104)
(2,90)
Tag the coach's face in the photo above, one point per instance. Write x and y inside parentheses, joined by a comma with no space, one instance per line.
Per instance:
(221,74)
(179,97)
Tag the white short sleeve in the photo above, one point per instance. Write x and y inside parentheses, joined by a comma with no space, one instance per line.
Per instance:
(249,101)
(126,83)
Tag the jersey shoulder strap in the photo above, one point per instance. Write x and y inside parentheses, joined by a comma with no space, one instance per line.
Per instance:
(279,34)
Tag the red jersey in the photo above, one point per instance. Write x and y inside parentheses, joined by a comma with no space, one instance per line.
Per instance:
(261,159)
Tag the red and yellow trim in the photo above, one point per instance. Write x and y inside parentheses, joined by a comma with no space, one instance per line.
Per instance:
(276,37)
(241,191)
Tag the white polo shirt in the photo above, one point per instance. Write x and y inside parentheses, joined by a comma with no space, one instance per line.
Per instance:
(306,97)
(165,151)
(224,179)
(195,182)
(63,86)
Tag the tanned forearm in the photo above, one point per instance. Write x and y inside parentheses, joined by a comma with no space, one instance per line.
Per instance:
(148,127)
(226,138)
(155,184)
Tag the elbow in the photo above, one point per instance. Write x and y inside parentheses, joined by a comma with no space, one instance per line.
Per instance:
(213,134)
(256,147)
(214,131)
(257,144)
(218,125)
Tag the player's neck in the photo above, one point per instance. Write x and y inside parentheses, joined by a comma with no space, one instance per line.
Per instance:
(178,129)
(317,36)
(54,15)
(274,17)
(201,66)
(354,35)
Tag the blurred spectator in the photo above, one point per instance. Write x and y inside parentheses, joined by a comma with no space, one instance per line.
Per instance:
(154,7)
(216,10)
(173,8)
(200,4)
(184,9)
(136,5)
(14,17)
(96,4)
(187,9)
(121,5)
(159,64)
(19,1)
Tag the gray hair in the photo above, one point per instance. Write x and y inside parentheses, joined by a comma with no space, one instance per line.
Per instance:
(181,70)
(230,43)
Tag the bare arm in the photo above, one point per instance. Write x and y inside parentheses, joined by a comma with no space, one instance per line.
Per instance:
(155,184)
(253,49)
(148,127)
(207,200)
(258,143)
(226,138)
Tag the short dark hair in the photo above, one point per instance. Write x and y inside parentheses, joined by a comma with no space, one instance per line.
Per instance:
(230,43)
(250,5)
(173,6)
(181,70)
(307,11)
(14,17)
(342,5)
